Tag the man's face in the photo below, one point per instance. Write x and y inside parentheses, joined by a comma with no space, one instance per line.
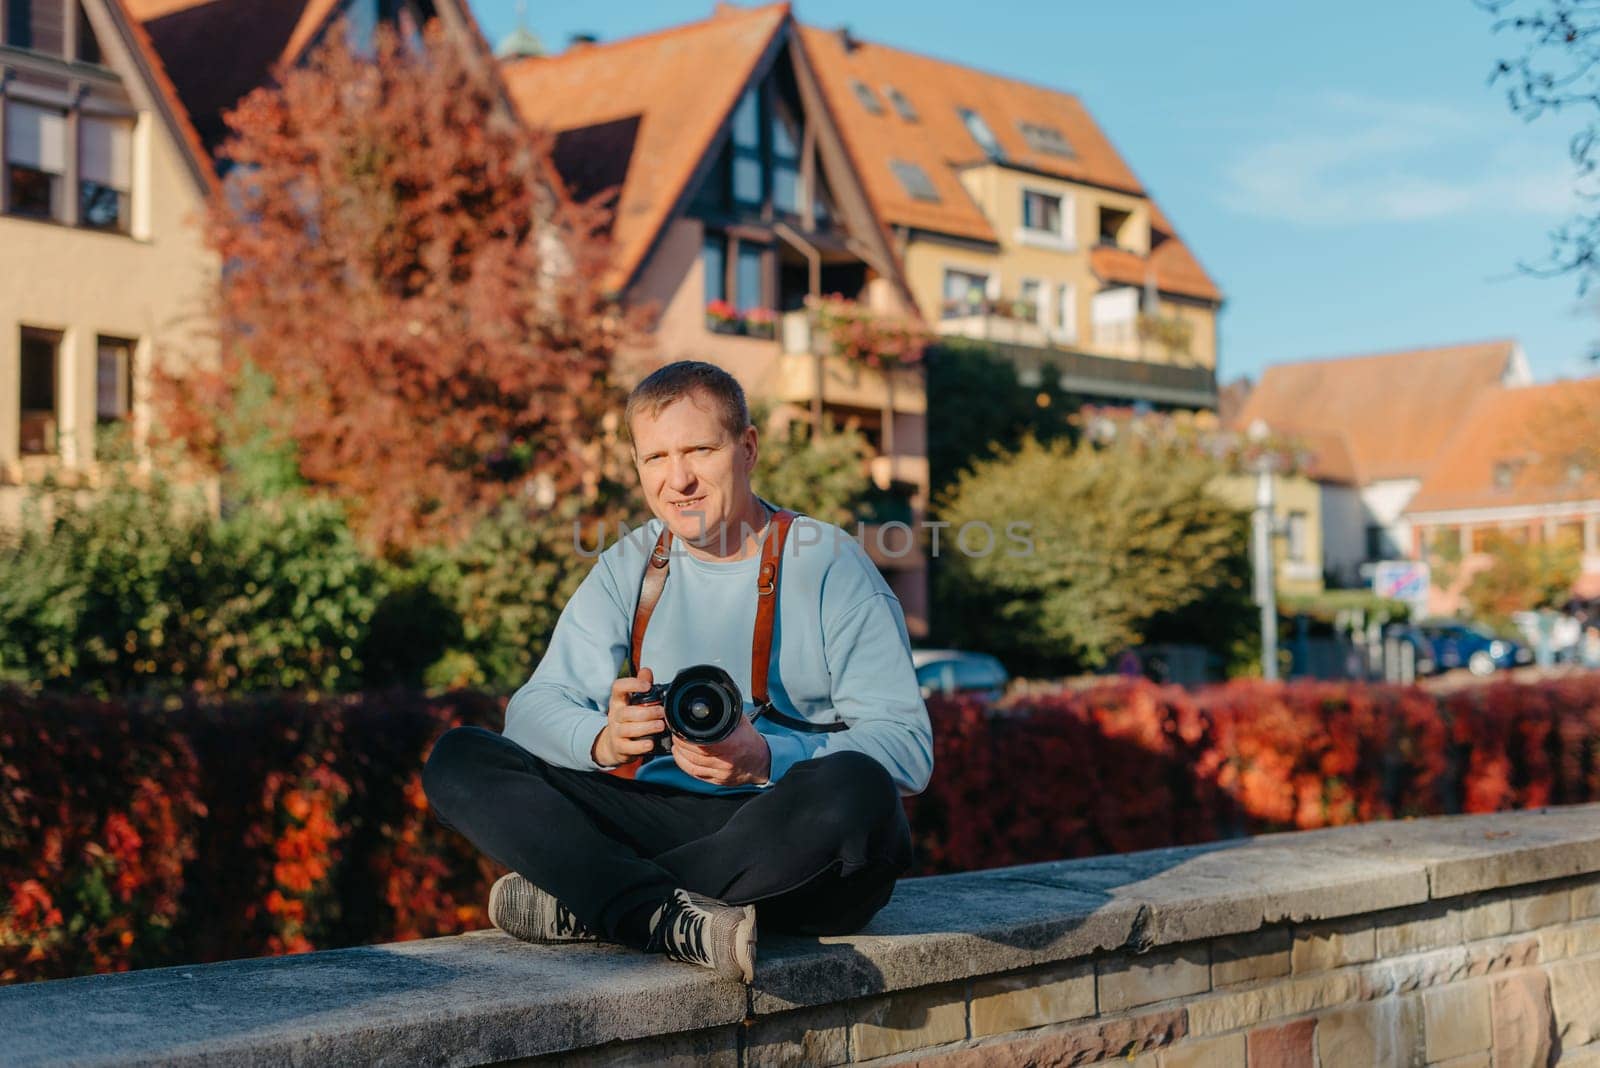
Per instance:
(696,478)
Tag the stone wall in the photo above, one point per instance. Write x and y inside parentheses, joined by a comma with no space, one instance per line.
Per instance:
(1462,941)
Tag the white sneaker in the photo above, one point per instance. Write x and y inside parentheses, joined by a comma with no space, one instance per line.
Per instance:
(701,930)
(524,911)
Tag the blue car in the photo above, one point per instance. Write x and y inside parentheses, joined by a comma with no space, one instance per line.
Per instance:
(1460,644)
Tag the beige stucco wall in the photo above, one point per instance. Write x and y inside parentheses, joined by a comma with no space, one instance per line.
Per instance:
(150,286)
(1290,494)
(998,191)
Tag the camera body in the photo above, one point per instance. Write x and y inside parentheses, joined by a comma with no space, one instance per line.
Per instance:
(702,704)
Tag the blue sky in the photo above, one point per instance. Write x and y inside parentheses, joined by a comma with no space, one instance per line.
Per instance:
(1343,170)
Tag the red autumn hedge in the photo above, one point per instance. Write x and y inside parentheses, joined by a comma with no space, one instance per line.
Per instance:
(139,835)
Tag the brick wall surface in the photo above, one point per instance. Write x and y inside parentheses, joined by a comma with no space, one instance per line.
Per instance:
(1502,979)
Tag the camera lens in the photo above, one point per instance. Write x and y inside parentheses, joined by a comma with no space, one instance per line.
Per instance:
(699,706)
(704,705)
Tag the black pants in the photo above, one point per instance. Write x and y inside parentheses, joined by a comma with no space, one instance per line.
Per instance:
(817,853)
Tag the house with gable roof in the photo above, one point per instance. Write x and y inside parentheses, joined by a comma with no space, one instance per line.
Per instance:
(110,115)
(99,263)
(755,161)
(1499,474)
(1018,222)
(734,201)
(1375,426)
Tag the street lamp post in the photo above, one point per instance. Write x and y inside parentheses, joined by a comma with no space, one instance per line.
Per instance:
(1262,529)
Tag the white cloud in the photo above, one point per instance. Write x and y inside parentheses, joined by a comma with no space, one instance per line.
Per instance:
(1354,159)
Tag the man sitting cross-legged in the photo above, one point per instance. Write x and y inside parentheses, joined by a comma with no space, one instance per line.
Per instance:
(795,817)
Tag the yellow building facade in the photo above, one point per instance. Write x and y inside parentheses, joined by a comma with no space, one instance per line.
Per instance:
(1297,518)
(102,267)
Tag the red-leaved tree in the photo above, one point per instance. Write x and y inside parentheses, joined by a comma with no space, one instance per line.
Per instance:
(426,302)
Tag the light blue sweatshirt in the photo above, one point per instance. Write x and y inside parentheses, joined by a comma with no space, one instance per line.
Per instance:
(840,652)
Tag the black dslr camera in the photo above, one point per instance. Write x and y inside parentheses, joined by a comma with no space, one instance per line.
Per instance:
(702,705)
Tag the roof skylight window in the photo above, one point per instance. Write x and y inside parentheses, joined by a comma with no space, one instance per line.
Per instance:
(981,133)
(915,180)
(1046,139)
(868,99)
(901,104)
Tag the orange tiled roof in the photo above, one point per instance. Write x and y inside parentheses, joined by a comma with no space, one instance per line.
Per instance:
(1394,410)
(161,81)
(1330,456)
(1508,425)
(681,84)
(939,143)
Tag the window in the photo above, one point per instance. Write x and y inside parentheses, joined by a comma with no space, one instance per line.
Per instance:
(964,292)
(750,290)
(978,673)
(914,180)
(747,184)
(1505,473)
(37,24)
(714,265)
(113,379)
(1112,224)
(1297,531)
(1046,139)
(900,103)
(36,150)
(981,133)
(88,43)
(1031,292)
(938,677)
(1041,212)
(785,164)
(19,23)
(103,173)
(1378,543)
(40,350)
(1066,312)
(1114,315)
(865,95)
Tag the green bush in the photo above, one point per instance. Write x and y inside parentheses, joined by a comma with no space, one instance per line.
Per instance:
(138,589)
(1114,539)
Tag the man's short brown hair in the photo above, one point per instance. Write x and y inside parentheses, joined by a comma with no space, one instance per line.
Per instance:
(675,380)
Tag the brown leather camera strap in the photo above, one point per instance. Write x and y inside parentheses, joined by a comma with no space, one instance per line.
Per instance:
(766,605)
(654,580)
(650,587)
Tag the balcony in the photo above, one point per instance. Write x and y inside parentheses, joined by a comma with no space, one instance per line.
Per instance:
(1014,322)
(807,367)
(1117,380)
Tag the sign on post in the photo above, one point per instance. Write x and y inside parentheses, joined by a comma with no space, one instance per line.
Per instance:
(1403,580)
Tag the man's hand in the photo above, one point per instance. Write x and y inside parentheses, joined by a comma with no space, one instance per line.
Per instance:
(630,729)
(740,759)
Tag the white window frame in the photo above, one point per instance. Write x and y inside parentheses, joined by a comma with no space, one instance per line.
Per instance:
(1064,323)
(1041,306)
(1065,240)
(1113,330)
(991,283)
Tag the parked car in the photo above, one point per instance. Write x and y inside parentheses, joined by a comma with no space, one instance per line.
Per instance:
(953,672)
(1457,643)
(1423,657)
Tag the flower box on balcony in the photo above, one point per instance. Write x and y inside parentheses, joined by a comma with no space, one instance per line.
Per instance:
(761,322)
(723,318)
(859,336)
